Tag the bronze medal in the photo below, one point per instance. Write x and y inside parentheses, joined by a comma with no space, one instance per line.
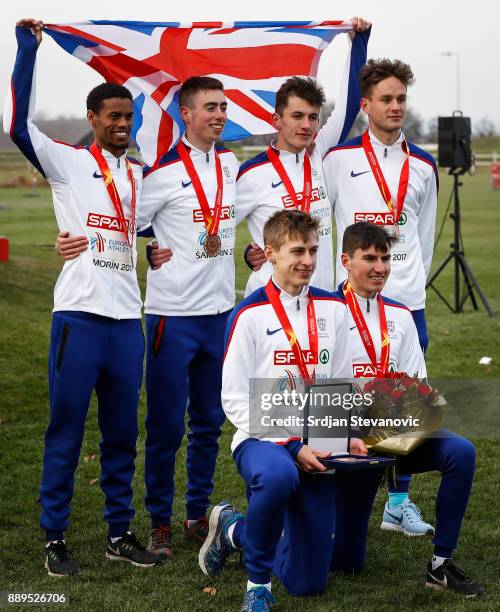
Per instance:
(392,230)
(212,244)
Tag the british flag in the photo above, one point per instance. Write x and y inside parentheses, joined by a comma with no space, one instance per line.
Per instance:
(252,59)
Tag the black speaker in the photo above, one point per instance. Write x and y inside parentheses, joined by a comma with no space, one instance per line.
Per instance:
(454,142)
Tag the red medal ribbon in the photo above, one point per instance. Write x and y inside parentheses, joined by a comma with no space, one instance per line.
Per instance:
(210,218)
(278,308)
(107,177)
(364,332)
(380,179)
(305,204)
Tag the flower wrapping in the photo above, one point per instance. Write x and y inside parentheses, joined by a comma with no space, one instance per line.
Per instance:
(404,412)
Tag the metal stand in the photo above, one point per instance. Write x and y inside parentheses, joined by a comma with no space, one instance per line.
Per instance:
(461,266)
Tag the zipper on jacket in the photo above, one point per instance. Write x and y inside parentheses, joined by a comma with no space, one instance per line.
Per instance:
(385,152)
(207,157)
(367,305)
(296,158)
(298,304)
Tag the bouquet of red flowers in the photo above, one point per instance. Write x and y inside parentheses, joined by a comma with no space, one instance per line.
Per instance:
(404,412)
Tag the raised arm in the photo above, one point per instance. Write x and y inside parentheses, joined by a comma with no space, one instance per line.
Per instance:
(53,160)
(348,98)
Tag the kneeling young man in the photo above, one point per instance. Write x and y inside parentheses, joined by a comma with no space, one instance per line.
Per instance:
(284,316)
(366,258)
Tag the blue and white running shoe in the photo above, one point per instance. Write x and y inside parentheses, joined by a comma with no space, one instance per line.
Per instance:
(217,547)
(407,518)
(257,599)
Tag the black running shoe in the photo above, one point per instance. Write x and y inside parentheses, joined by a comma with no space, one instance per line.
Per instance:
(449,577)
(58,560)
(129,549)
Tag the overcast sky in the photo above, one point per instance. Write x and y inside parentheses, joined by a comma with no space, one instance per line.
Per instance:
(416,32)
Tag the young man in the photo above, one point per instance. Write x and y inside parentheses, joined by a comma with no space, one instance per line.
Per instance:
(287,316)
(96,339)
(189,198)
(383,178)
(366,258)
(289,173)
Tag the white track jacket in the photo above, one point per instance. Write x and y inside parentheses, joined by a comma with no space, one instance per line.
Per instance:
(102,280)
(260,192)
(257,348)
(355,196)
(405,353)
(191,283)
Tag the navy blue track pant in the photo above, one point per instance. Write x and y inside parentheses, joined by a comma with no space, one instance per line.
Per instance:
(292,517)
(90,352)
(184,369)
(310,510)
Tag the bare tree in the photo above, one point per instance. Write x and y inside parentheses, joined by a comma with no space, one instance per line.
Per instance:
(485,128)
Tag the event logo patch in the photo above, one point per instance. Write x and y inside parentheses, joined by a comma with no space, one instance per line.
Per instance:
(105,222)
(318,193)
(288,358)
(227,212)
(379,218)
(227,174)
(368,370)
(324,356)
(97,242)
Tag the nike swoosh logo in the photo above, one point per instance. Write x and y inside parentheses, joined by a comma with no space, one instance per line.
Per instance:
(95,175)
(396,518)
(443,582)
(355,174)
(274,185)
(270,333)
(351,328)
(186,184)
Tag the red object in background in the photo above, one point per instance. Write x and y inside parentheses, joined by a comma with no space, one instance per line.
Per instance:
(495,176)
(4,248)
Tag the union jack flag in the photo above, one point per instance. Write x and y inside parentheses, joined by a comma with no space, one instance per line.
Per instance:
(252,59)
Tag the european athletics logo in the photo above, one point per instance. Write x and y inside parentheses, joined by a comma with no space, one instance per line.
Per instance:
(98,241)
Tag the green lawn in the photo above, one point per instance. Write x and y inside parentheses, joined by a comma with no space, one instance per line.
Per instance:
(395,571)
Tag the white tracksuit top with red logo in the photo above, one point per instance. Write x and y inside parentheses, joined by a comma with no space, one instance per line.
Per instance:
(257,348)
(405,353)
(102,280)
(355,196)
(261,193)
(192,283)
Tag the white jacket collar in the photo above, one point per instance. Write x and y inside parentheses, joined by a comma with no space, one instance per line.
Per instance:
(195,151)
(112,160)
(376,143)
(288,155)
(287,298)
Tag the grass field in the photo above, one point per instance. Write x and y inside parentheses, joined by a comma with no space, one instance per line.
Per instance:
(394,575)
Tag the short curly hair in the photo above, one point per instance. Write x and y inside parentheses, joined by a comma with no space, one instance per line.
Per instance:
(104,91)
(376,70)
